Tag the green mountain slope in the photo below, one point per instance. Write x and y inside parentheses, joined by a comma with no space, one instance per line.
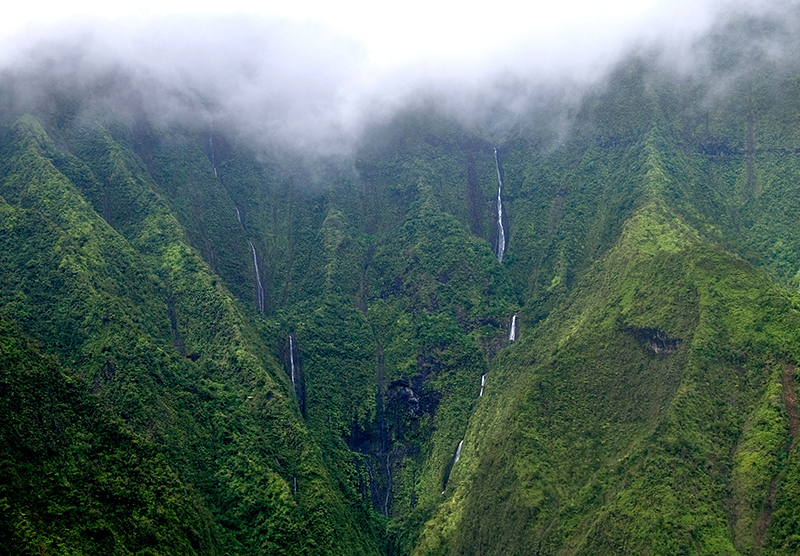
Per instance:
(653,413)
(209,347)
(160,343)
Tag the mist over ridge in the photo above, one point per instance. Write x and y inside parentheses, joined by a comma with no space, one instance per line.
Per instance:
(301,86)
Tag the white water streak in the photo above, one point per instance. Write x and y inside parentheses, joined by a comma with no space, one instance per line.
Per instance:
(458,452)
(211,149)
(483,383)
(388,486)
(512,335)
(259,287)
(291,358)
(501,233)
(238,215)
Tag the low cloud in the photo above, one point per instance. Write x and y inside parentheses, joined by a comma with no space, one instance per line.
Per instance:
(304,86)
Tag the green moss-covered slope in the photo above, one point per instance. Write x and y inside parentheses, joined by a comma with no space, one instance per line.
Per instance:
(211,347)
(141,320)
(644,418)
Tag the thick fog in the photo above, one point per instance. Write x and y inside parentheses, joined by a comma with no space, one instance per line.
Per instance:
(313,85)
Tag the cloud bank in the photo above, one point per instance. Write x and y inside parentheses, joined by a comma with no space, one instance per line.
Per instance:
(311,83)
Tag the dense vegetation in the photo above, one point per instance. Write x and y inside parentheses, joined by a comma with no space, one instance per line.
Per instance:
(208,348)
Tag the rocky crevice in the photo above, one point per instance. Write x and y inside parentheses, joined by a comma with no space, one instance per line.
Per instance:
(657,341)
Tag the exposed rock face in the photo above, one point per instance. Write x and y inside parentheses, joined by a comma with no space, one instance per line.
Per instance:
(655,340)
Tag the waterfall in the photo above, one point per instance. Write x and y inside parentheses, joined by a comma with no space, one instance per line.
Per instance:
(512,335)
(259,287)
(483,383)
(211,150)
(291,360)
(388,486)
(238,214)
(450,467)
(294,480)
(501,233)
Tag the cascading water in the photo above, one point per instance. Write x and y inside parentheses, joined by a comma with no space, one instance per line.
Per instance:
(238,215)
(259,287)
(388,487)
(291,361)
(483,383)
(211,150)
(501,233)
(450,467)
(512,334)
(295,372)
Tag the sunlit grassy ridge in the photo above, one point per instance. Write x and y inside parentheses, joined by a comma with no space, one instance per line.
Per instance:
(642,410)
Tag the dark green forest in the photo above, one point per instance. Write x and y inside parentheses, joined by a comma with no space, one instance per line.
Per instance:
(212,347)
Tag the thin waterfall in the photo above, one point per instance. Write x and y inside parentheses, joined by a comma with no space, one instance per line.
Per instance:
(501,233)
(295,372)
(388,486)
(512,334)
(238,214)
(450,467)
(458,452)
(259,287)
(211,151)
(483,383)
(291,360)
